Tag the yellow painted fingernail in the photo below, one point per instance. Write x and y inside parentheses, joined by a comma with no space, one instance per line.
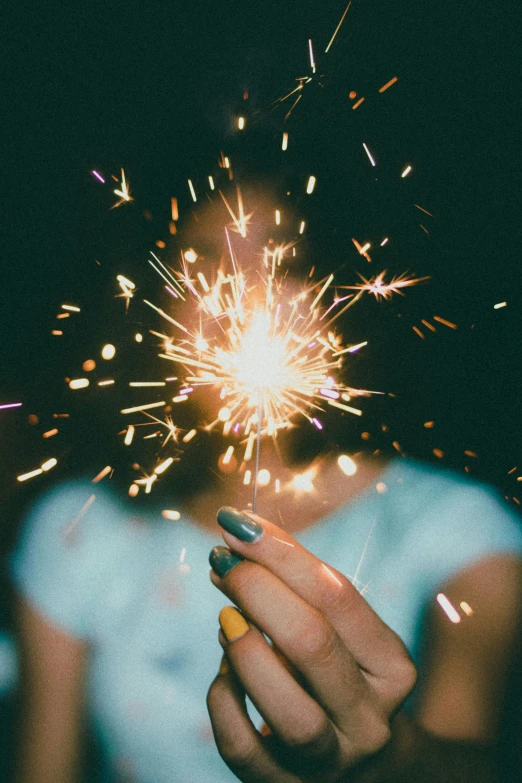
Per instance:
(232,623)
(223,666)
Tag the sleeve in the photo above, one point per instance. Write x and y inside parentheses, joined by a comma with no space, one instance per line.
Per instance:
(63,556)
(473,523)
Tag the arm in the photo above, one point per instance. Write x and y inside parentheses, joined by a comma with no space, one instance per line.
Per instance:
(338,720)
(52,669)
(461,683)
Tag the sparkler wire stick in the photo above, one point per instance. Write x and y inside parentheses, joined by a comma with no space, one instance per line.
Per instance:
(260,408)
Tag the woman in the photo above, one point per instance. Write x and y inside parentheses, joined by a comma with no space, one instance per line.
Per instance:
(118,622)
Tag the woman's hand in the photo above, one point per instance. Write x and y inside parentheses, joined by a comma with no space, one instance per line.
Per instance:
(329,707)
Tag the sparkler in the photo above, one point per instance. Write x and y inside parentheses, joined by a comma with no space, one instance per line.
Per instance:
(266,349)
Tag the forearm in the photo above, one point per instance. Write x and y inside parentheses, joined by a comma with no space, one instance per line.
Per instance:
(415,756)
(47,751)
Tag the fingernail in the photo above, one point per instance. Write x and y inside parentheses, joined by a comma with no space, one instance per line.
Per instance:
(223,560)
(232,623)
(223,666)
(239,524)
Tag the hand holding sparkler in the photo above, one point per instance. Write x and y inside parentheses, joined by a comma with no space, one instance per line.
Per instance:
(353,671)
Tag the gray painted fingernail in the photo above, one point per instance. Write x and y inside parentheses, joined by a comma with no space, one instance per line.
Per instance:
(223,560)
(239,524)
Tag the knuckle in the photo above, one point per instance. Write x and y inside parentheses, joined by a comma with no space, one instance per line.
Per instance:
(372,739)
(378,737)
(241,754)
(339,598)
(319,643)
(403,676)
(312,739)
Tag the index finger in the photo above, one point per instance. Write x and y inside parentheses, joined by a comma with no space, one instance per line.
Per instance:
(371,642)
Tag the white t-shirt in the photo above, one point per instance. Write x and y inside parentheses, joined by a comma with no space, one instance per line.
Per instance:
(138,590)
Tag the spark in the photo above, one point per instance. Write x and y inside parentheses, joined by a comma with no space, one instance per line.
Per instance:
(109,382)
(466,608)
(369,154)
(129,435)
(108,352)
(170,514)
(302,227)
(124,191)
(162,467)
(5,405)
(241,123)
(443,321)
(192,191)
(50,433)
(263,477)
(360,249)
(418,331)
(382,290)
(351,348)
(79,383)
(284,143)
(72,308)
(303,482)
(211,182)
(388,84)
(174,208)
(332,39)
(356,105)
(347,465)
(125,282)
(363,553)
(44,467)
(311,184)
(81,513)
(190,434)
(98,176)
(107,469)
(139,384)
(423,210)
(348,408)
(241,220)
(30,475)
(311,52)
(406,171)
(228,455)
(499,305)
(138,408)
(448,608)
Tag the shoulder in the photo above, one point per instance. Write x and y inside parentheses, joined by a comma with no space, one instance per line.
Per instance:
(452,520)
(69,542)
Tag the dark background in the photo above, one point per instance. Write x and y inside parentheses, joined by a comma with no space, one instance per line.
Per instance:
(154,87)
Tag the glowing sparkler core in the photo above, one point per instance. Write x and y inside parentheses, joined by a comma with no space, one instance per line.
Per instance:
(259,363)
